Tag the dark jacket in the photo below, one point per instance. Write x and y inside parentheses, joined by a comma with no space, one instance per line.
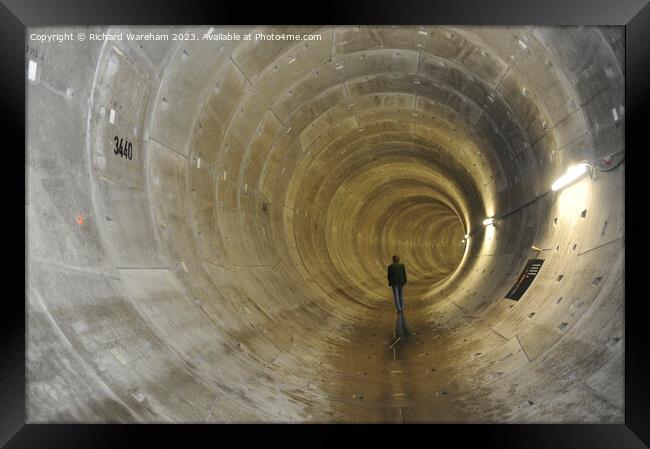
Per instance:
(396,274)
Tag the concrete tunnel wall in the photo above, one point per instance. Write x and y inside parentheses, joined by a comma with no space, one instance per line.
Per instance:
(234,269)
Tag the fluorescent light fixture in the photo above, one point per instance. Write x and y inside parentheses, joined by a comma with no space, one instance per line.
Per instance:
(31,71)
(572,174)
(488,221)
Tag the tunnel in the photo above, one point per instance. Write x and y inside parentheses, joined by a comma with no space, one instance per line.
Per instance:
(210,218)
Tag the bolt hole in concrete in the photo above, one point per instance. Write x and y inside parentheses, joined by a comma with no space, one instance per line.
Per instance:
(274,179)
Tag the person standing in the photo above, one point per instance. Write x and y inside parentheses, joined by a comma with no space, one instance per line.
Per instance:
(397,281)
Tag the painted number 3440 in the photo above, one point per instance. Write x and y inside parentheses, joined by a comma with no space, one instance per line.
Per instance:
(123,147)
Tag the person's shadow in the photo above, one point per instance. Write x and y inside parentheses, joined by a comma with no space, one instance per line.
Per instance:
(401,330)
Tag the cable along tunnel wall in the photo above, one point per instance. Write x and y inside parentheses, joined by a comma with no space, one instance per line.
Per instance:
(209,225)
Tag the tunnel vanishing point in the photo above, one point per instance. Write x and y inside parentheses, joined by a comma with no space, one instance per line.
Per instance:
(209,224)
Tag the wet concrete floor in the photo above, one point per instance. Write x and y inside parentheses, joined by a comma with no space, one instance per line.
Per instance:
(396,376)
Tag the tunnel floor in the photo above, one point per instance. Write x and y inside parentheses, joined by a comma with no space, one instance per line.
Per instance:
(397,374)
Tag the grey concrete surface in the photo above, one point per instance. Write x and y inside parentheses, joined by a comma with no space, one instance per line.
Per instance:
(233,269)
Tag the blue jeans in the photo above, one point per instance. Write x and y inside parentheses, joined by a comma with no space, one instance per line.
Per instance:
(398,296)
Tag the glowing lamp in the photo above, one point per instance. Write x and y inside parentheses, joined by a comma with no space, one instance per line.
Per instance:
(572,174)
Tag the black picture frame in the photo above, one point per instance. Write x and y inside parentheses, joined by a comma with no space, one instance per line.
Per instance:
(15,15)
